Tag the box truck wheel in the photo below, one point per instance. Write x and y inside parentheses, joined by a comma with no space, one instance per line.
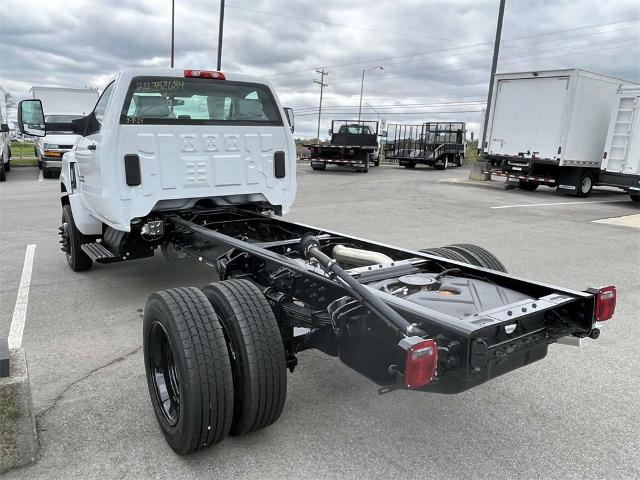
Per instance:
(71,240)
(584,186)
(528,185)
(188,369)
(257,353)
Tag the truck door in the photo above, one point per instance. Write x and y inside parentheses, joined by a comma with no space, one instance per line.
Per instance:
(528,116)
(88,152)
(624,151)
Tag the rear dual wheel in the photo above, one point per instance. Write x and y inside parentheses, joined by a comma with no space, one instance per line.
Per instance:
(215,363)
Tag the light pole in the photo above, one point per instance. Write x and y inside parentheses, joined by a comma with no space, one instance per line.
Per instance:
(220,26)
(173,21)
(362,87)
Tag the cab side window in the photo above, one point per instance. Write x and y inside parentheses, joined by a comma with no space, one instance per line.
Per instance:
(101,106)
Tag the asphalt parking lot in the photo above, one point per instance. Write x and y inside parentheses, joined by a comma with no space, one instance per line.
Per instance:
(573,415)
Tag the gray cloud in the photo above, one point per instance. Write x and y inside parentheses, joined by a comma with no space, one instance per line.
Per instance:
(433,53)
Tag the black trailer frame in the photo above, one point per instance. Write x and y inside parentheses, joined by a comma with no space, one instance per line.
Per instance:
(342,315)
(429,143)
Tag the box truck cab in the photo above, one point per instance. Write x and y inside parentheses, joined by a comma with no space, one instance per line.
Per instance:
(550,127)
(61,105)
(5,141)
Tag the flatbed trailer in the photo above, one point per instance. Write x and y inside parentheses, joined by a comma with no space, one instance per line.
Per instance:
(437,144)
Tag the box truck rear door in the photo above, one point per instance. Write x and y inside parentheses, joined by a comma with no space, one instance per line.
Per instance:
(528,116)
(624,150)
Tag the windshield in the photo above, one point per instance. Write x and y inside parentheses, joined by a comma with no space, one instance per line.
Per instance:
(198,101)
(355,129)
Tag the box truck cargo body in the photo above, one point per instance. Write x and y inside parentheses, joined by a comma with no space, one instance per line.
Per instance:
(621,159)
(62,105)
(550,127)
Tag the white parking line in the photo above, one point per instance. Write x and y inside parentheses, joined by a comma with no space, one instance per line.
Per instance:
(20,311)
(40,178)
(552,204)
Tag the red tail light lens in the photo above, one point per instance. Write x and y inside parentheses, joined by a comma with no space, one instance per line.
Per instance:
(605,303)
(422,361)
(204,74)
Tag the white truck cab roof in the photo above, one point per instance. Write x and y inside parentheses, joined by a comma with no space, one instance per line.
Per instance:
(166,139)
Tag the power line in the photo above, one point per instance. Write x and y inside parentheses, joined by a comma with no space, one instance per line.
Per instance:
(380,59)
(341,25)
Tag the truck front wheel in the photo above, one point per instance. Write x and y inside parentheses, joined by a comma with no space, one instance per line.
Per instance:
(257,353)
(71,240)
(188,369)
(443,164)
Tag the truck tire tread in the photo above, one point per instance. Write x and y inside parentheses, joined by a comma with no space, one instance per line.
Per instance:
(202,360)
(483,257)
(259,368)
(76,258)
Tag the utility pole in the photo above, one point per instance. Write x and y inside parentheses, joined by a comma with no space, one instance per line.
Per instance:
(322,85)
(173,17)
(220,34)
(494,64)
(362,88)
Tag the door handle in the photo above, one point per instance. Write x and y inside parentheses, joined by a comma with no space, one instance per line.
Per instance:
(91,147)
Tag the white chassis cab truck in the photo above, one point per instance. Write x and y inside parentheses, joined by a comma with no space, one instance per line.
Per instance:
(203,164)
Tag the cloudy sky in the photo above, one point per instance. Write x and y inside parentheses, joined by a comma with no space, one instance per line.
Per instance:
(435,54)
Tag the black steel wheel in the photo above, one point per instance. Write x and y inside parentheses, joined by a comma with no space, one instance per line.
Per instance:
(479,256)
(71,239)
(257,353)
(188,369)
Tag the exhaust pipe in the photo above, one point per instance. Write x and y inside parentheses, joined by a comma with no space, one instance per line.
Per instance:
(356,256)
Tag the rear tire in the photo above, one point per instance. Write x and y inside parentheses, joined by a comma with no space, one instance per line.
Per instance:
(584,185)
(444,165)
(635,197)
(3,175)
(7,167)
(478,256)
(324,167)
(410,165)
(46,173)
(445,253)
(72,239)
(528,185)
(188,369)
(257,353)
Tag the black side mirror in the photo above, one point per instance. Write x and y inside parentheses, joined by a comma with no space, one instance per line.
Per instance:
(290,118)
(31,118)
(4,128)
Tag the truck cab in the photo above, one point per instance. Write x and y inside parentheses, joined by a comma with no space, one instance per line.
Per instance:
(166,139)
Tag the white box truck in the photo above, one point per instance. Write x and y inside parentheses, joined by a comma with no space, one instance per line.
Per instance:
(621,158)
(550,128)
(5,147)
(62,105)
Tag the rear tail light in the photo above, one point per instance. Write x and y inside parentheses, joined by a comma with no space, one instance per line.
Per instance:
(605,303)
(421,361)
(204,74)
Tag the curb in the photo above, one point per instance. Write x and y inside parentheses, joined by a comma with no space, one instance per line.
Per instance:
(18,437)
